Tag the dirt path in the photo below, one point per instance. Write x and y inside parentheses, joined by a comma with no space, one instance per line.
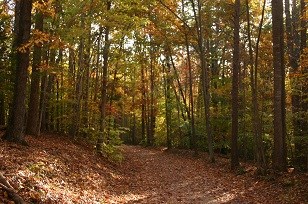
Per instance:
(154,176)
(159,177)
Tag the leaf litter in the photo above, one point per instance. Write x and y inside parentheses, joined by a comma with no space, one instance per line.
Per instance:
(53,169)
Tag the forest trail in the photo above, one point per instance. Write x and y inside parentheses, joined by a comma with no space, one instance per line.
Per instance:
(159,176)
(53,169)
(163,177)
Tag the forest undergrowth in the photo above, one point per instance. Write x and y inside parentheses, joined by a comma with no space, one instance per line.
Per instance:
(53,169)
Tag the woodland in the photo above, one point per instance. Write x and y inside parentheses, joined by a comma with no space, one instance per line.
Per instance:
(153,101)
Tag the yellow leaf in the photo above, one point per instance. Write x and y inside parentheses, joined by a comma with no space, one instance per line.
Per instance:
(5,194)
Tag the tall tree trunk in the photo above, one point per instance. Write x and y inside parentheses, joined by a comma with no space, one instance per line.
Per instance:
(86,89)
(144,104)
(49,106)
(59,94)
(191,94)
(258,146)
(133,124)
(293,56)
(168,100)
(15,131)
(235,85)
(3,49)
(279,150)
(104,86)
(79,84)
(71,94)
(301,143)
(204,79)
(98,61)
(152,108)
(34,101)
(43,98)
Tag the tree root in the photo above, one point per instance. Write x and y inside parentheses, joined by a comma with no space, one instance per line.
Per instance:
(5,185)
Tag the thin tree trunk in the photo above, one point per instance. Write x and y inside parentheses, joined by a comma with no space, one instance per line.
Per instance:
(43,99)
(258,146)
(191,93)
(101,137)
(168,101)
(152,114)
(79,85)
(86,87)
(133,125)
(205,80)
(180,88)
(143,105)
(49,107)
(96,87)
(60,105)
(293,55)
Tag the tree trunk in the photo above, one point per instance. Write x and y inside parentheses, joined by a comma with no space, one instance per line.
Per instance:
(144,104)
(180,88)
(279,150)
(168,100)
(235,85)
(301,143)
(86,88)
(293,55)
(258,146)
(205,80)
(79,85)
(34,101)
(104,87)
(42,121)
(152,114)
(191,93)
(15,131)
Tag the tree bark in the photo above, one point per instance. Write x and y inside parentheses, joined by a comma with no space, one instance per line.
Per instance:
(235,85)
(258,146)
(279,151)
(168,101)
(34,101)
(301,145)
(144,104)
(205,80)
(102,136)
(152,108)
(15,131)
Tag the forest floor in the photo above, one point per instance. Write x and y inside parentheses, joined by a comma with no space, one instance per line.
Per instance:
(55,170)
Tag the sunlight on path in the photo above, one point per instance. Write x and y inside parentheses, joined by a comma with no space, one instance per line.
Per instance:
(161,177)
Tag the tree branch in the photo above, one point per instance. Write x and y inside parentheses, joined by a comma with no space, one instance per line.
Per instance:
(5,185)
